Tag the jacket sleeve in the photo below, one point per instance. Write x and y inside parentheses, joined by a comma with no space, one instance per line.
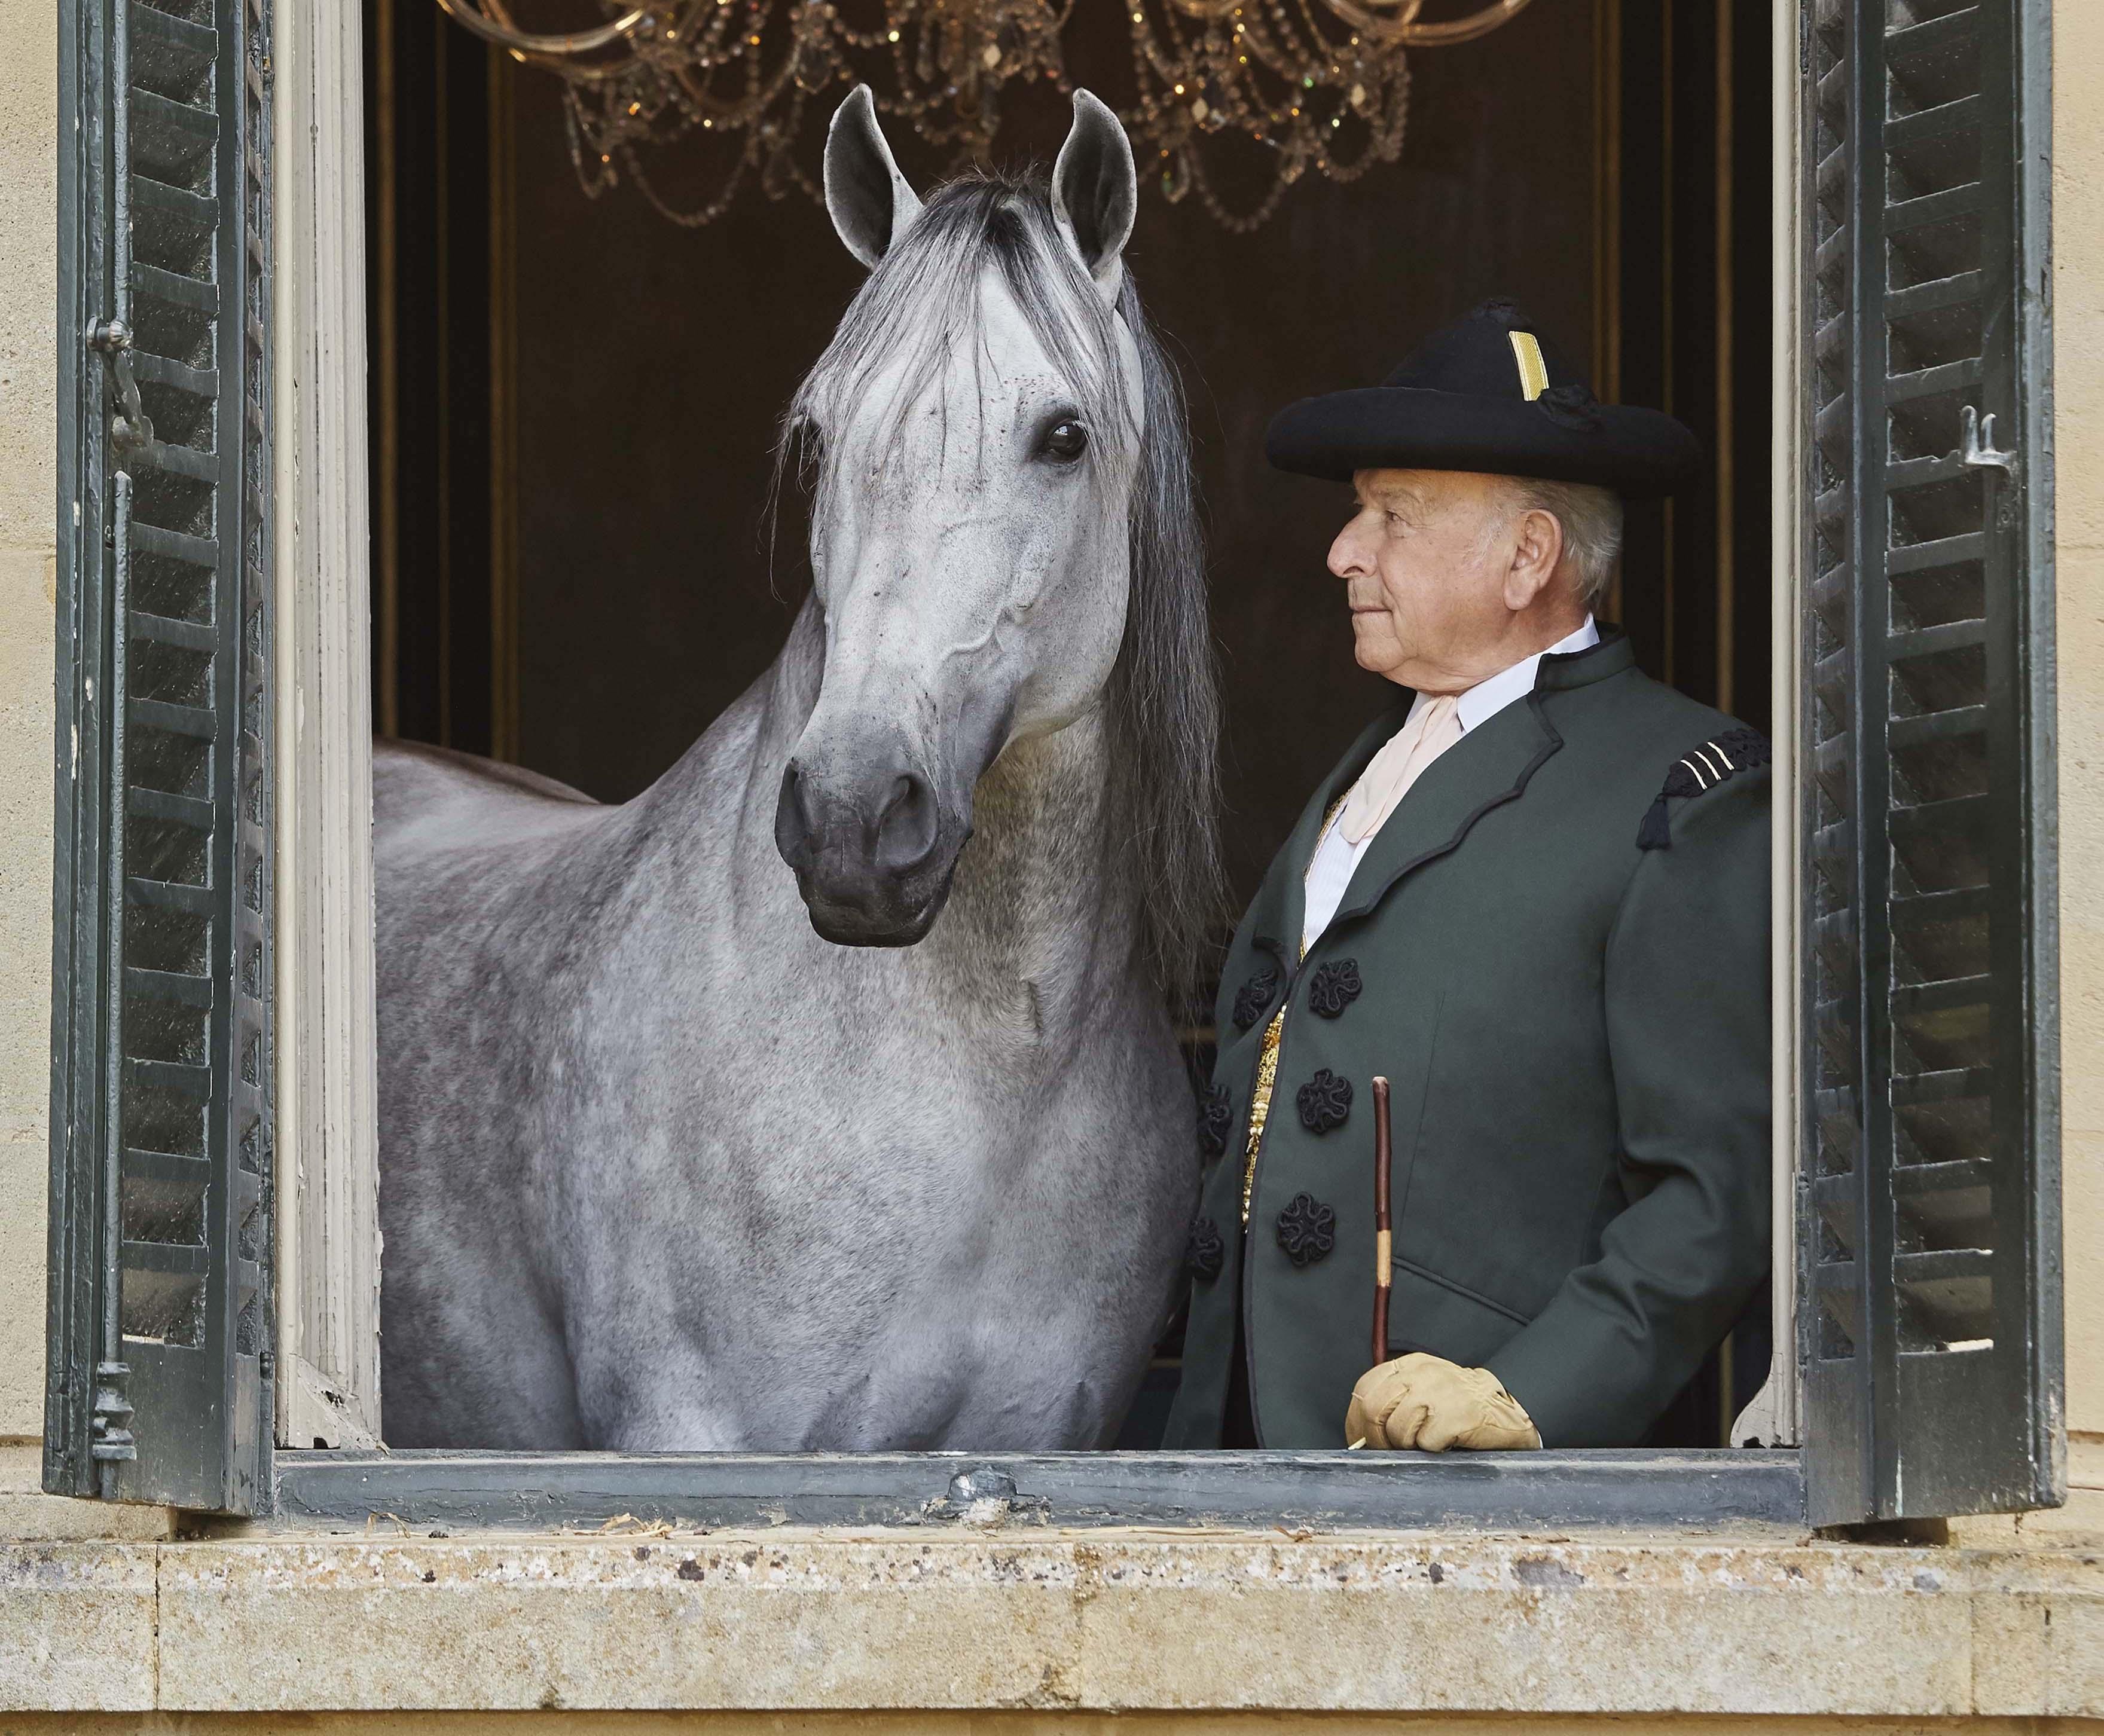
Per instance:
(1686,985)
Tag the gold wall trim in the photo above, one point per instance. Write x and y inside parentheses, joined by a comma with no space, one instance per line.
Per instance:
(442,380)
(1669,577)
(1607,222)
(1726,361)
(387,394)
(503,413)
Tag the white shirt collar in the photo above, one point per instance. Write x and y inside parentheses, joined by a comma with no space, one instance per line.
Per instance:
(1488,698)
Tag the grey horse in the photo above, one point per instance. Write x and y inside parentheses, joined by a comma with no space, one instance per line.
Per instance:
(763,1112)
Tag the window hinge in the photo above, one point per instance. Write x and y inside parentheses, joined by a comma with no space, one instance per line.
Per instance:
(109,1437)
(131,430)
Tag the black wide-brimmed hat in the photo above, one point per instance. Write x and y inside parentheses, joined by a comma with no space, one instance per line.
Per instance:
(1489,393)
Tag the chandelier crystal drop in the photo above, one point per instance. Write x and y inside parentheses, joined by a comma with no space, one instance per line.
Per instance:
(1317,84)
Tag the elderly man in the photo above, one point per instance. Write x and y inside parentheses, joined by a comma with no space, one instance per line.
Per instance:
(1534,897)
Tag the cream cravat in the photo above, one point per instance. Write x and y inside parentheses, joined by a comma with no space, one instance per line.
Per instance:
(1432,728)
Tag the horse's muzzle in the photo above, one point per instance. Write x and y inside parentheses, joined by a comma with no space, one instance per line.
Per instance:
(870,851)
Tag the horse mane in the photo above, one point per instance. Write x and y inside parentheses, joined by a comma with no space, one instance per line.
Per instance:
(1162,701)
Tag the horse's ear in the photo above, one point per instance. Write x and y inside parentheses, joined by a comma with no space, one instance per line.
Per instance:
(1096,193)
(868,200)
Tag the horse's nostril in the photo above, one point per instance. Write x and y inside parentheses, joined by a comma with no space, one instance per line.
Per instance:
(906,830)
(866,829)
(792,819)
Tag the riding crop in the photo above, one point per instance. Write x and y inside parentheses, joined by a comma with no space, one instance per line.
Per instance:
(1383,1236)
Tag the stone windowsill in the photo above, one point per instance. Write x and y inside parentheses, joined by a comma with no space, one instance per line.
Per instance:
(1031,1617)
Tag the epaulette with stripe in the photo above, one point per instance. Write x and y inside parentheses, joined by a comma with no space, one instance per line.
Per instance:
(1734,751)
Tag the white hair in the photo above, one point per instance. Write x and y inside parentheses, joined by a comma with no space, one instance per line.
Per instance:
(1592,521)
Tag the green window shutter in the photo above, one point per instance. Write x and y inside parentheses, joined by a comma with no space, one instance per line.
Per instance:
(161,1312)
(1927,1206)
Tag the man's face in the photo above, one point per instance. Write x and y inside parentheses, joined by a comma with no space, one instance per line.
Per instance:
(1426,561)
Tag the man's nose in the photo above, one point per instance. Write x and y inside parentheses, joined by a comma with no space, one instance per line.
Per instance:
(1346,560)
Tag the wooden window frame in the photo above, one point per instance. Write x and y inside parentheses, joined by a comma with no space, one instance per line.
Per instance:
(1761,1486)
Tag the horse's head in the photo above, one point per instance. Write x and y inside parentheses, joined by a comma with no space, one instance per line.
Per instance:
(978,422)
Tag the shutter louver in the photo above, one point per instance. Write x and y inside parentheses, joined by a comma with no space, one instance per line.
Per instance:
(159,1388)
(1928,1202)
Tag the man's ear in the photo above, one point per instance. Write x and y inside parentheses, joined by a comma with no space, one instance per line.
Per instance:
(1096,193)
(867,197)
(1537,552)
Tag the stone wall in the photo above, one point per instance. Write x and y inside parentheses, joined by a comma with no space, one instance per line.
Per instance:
(28,174)
(998,1635)
(29,290)
(2078,223)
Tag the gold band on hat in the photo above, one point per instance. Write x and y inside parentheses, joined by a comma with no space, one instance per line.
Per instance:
(1533,370)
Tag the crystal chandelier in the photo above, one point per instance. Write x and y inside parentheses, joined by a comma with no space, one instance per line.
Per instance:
(1317,84)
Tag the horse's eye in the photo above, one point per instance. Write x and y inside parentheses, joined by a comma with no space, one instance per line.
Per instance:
(1066,440)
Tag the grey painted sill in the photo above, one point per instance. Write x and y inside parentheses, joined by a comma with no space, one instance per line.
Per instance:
(1622,1489)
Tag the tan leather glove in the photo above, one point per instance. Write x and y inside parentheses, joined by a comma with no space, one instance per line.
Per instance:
(1429,1403)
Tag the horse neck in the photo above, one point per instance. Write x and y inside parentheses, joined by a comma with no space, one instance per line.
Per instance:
(1041,894)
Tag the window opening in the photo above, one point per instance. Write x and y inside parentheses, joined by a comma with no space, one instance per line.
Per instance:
(1890,81)
(1654,261)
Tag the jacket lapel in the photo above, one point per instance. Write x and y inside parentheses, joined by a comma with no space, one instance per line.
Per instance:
(1487,768)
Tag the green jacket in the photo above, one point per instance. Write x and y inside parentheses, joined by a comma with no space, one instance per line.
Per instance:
(1575,1027)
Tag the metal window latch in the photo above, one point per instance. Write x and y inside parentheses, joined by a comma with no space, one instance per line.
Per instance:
(986,1498)
(131,430)
(1980,451)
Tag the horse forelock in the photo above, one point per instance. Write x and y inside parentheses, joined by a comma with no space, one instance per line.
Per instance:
(921,304)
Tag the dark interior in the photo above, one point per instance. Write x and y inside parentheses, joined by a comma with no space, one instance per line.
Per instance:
(575,399)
